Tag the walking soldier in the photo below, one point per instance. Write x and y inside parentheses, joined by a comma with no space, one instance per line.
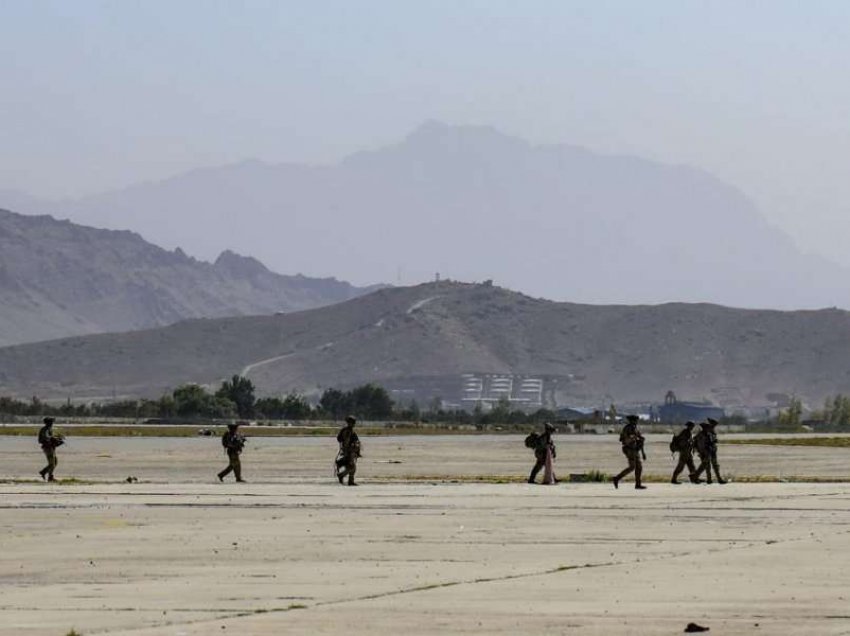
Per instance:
(233,443)
(49,443)
(683,444)
(349,451)
(706,444)
(544,453)
(632,442)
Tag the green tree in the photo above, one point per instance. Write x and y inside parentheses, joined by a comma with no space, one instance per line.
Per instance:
(67,408)
(371,402)
(149,408)
(270,408)
(295,407)
(836,411)
(415,411)
(792,416)
(409,413)
(543,415)
(335,403)
(191,400)
(166,406)
(36,407)
(501,411)
(240,391)
(477,412)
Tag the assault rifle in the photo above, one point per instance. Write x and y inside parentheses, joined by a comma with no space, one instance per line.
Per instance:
(640,442)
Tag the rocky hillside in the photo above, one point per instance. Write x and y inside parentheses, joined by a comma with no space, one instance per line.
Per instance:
(59,279)
(420,341)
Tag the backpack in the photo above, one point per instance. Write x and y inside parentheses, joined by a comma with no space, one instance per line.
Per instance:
(532,440)
(674,443)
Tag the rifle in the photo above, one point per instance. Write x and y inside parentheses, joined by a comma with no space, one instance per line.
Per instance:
(640,442)
(233,442)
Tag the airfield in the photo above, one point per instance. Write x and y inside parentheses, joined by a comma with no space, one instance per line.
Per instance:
(436,540)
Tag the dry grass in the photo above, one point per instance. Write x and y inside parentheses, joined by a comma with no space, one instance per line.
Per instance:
(113,430)
(830,442)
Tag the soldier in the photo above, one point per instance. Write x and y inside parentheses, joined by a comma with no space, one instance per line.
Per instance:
(544,452)
(49,443)
(349,451)
(683,444)
(632,441)
(706,444)
(233,443)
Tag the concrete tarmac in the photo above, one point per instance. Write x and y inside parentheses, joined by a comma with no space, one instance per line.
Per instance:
(443,457)
(293,552)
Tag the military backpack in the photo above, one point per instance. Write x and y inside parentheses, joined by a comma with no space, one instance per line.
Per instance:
(532,440)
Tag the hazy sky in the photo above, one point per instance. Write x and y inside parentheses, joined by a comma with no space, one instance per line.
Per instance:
(98,95)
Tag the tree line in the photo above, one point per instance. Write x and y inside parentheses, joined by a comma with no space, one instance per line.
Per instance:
(236,398)
(835,414)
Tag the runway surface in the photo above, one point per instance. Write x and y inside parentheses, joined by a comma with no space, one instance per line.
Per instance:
(292,552)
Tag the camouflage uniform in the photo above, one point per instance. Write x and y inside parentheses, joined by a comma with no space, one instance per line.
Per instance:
(49,443)
(544,444)
(683,444)
(233,444)
(706,444)
(632,442)
(349,451)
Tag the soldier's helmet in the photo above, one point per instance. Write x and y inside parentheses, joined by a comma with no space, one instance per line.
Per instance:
(48,421)
(549,428)
(712,422)
(233,425)
(690,424)
(350,419)
(633,419)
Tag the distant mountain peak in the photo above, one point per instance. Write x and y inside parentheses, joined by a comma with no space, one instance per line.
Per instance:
(554,220)
(433,133)
(239,266)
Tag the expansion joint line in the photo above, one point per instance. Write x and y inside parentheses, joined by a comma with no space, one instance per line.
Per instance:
(494,579)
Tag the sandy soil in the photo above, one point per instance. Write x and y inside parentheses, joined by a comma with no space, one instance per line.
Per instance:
(293,552)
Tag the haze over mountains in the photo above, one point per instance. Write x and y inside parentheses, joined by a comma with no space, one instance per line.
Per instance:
(420,341)
(556,221)
(59,279)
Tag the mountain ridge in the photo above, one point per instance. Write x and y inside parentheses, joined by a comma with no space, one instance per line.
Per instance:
(423,341)
(58,279)
(556,221)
